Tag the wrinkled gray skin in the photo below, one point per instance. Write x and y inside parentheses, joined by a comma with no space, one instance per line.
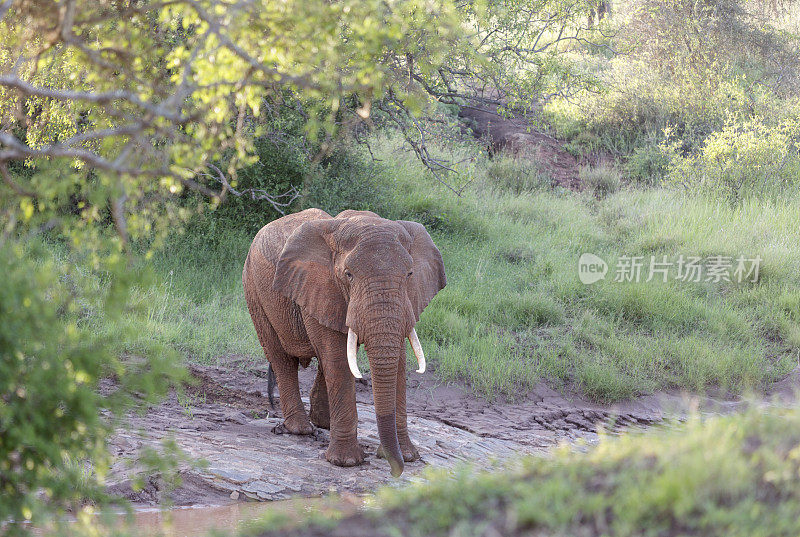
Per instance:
(308,278)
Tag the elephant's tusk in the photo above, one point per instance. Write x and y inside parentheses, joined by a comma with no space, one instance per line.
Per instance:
(352,353)
(417,348)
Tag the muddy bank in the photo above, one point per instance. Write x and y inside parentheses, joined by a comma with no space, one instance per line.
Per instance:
(225,420)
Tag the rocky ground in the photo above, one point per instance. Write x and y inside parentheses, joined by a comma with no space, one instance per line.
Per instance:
(225,420)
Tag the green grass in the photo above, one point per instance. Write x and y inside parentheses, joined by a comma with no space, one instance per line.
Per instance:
(193,304)
(726,476)
(514,311)
(200,305)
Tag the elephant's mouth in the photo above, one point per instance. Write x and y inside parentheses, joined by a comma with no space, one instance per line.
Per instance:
(352,352)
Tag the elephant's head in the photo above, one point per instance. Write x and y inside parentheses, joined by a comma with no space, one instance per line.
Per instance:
(369,278)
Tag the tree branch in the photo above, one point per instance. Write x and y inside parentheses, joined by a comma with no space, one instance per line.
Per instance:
(14,186)
(279,202)
(101,98)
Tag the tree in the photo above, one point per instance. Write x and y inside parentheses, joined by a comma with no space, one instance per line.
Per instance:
(152,92)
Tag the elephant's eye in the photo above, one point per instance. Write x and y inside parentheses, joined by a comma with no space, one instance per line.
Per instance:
(410,273)
(349,275)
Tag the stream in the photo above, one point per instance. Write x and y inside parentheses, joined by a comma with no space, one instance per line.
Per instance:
(201,519)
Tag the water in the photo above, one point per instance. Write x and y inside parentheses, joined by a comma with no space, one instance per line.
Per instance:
(200,520)
(227,519)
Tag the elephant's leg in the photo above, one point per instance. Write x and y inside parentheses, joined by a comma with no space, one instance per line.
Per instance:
(343,449)
(320,411)
(295,419)
(407,447)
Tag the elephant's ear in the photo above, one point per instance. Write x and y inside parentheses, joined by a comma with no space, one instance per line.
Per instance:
(428,278)
(304,273)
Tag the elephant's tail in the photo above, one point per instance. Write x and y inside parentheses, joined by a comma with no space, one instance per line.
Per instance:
(271,387)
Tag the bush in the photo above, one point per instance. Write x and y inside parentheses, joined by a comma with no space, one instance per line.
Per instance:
(52,426)
(345,179)
(649,164)
(348,179)
(601,180)
(279,166)
(566,119)
(744,160)
(729,61)
(515,175)
(583,144)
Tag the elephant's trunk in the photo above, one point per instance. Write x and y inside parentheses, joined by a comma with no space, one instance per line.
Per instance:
(384,352)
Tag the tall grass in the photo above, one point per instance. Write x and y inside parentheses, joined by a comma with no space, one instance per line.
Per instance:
(194,302)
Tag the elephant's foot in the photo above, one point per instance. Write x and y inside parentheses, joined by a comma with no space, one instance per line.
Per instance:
(344,453)
(320,415)
(408,450)
(294,425)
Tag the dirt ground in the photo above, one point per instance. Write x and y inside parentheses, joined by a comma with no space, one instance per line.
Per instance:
(225,420)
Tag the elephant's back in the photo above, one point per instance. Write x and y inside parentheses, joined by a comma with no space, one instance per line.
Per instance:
(270,239)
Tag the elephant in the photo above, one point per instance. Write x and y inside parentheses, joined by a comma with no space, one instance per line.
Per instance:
(319,286)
